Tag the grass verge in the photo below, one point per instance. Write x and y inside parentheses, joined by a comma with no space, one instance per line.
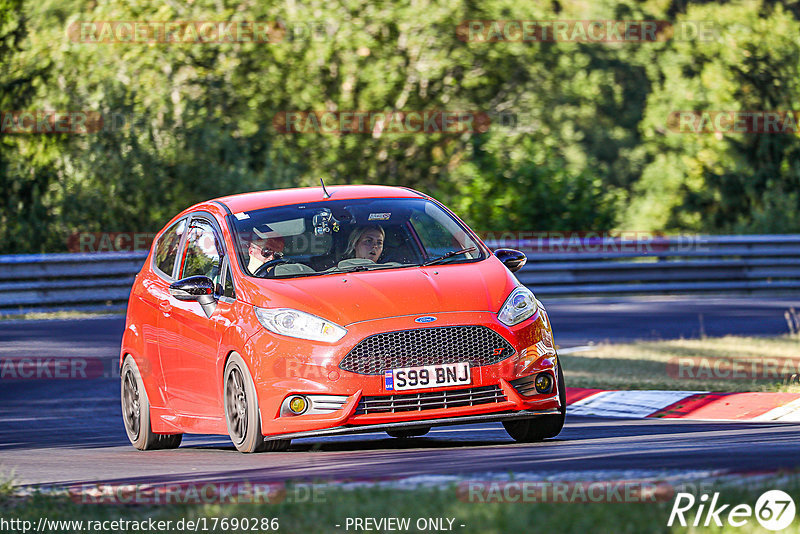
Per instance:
(333,507)
(722,364)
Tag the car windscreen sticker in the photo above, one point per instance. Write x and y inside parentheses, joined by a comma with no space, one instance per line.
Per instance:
(241,216)
(389,379)
(379,216)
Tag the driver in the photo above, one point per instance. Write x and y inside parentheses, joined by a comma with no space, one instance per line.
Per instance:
(366,242)
(263,250)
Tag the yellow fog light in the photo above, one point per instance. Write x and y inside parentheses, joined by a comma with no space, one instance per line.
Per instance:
(298,404)
(544,383)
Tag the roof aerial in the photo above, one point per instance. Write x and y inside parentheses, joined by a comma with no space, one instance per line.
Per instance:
(324,191)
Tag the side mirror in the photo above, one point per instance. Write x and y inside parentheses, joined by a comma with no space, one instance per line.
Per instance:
(512,259)
(199,288)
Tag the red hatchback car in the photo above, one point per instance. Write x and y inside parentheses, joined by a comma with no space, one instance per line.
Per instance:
(294,313)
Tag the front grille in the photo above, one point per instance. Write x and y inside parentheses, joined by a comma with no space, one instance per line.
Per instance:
(430,401)
(477,345)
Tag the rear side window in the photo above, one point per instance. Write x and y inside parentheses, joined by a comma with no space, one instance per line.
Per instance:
(167,248)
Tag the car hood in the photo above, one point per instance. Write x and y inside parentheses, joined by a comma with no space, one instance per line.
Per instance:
(353,297)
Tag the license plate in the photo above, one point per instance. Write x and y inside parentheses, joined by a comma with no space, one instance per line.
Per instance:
(427,376)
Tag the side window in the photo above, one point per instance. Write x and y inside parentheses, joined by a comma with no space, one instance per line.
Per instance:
(227,288)
(436,239)
(440,234)
(167,247)
(203,252)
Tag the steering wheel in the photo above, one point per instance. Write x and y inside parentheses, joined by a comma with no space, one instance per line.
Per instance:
(261,271)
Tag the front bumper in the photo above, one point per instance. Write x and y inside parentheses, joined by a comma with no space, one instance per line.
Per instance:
(313,369)
(347,420)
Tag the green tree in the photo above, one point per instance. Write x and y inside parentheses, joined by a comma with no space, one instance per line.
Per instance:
(724,182)
(25,176)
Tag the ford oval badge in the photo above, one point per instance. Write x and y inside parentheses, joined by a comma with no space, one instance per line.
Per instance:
(425,319)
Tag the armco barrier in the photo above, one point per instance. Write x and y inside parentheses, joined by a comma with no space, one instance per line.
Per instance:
(704,264)
(700,264)
(67,281)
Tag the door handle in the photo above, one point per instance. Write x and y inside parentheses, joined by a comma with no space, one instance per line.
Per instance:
(165,307)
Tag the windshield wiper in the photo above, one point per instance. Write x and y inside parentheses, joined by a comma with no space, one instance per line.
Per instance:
(448,255)
(368,267)
(353,269)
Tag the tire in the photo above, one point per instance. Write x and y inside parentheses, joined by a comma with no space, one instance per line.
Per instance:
(410,433)
(136,412)
(241,410)
(540,428)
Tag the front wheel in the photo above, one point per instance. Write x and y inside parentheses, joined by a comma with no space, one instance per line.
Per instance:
(241,410)
(546,426)
(136,412)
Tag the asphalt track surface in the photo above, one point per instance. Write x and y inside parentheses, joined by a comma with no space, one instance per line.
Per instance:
(57,432)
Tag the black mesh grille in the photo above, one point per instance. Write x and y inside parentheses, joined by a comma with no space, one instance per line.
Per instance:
(430,401)
(526,386)
(477,345)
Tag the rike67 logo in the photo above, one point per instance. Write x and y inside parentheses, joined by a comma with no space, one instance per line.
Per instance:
(774,510)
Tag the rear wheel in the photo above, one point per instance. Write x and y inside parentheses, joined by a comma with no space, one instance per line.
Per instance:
(410,433)
(136,412)
(241,410)
(539,428)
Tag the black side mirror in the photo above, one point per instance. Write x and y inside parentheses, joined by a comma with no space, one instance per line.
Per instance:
(199,288)
(512,259)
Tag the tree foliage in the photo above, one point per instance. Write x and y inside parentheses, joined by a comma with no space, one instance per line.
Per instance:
(586,145)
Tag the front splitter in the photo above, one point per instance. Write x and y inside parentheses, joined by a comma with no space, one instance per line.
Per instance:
(447,421)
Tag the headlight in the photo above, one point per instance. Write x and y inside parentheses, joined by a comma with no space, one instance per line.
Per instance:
(519,305)
(295,323)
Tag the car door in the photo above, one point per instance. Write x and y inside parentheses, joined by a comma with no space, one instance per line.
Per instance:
(156,330)
(192,351)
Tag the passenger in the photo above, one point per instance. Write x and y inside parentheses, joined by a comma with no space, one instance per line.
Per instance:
(263,250)
(366,243)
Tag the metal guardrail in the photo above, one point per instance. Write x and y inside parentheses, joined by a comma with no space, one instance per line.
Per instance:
(46,282)
(586,266)
(683,264)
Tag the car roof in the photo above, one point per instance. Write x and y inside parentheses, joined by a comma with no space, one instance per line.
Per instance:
(284,197)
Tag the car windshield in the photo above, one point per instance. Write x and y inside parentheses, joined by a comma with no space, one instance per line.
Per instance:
(335,236)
